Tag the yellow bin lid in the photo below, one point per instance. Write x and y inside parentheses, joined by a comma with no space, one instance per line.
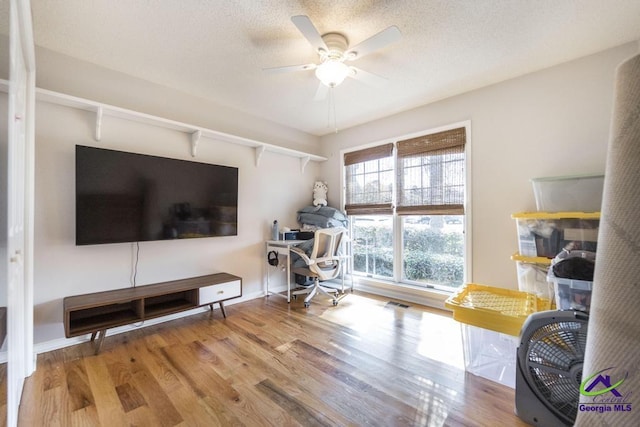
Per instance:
(531,259)
(556,215)
(498,309)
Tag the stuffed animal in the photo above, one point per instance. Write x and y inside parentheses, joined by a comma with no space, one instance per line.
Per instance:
(320,193)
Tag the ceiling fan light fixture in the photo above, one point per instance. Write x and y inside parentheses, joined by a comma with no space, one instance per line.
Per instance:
(331,72)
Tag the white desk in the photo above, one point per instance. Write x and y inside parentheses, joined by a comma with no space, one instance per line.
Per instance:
(282,247)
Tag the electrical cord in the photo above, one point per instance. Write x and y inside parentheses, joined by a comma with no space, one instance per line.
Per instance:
(134,272)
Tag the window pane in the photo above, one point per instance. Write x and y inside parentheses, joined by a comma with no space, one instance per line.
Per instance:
(372,245)
(370,182)
(433,179)
(433,249)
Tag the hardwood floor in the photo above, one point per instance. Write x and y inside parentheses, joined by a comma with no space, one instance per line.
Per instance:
(363,362)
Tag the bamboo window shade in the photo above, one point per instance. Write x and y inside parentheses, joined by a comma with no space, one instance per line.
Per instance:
(369,181)
(430,174)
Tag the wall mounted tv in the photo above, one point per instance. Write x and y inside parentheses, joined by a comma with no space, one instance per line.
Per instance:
(127,197)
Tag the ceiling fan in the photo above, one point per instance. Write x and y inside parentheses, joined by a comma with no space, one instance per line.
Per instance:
(334,51)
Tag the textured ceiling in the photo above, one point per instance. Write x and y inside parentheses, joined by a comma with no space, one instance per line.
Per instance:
(217,49)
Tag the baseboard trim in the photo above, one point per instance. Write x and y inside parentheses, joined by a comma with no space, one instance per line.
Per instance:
(427,297)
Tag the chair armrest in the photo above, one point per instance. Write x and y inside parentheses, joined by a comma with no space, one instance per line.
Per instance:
(302,255)
(328,258)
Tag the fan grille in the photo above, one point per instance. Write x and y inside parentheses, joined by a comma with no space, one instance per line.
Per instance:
(554,363)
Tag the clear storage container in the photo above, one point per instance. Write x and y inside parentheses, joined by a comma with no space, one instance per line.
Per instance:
(491,319)
(532,276)
(545,234)
(569,193)
(490,354)
(572,294)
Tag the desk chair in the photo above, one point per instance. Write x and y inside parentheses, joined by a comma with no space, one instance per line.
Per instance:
(324,263)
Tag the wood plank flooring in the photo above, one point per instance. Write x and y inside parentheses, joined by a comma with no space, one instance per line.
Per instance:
(269,363)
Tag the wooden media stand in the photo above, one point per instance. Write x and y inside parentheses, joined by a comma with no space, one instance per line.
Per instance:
(95,313)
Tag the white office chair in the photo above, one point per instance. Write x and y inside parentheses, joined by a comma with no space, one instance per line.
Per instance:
(324,263)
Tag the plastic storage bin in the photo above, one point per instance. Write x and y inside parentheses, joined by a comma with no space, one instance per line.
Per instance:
(569,193)
(532,276)
(490,354)
(545,234)
(572,294)
(491,320)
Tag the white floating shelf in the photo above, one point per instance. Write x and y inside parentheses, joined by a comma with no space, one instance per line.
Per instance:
(196,132)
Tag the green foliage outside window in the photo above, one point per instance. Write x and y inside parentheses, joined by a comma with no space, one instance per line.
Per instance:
(373,249)
(432,256)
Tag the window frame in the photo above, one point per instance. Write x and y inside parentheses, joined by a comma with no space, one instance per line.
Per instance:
(397,230)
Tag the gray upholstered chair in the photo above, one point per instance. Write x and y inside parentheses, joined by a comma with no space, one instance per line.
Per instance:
(324,263)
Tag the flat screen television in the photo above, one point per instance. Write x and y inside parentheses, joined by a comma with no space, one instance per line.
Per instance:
(126,197)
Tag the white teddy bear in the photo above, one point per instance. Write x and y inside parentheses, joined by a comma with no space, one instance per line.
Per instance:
(320,193)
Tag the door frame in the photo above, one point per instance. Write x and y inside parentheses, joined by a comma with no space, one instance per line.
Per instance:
(20,218)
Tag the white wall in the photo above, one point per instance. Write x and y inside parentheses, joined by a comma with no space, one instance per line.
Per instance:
(71,76)
(549,123)
(274,190)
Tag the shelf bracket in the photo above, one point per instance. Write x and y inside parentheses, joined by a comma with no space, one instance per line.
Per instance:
(98,134)
(259,152)
(303,163)
(195,139)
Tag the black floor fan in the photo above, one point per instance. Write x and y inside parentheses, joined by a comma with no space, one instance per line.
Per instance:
(549,367)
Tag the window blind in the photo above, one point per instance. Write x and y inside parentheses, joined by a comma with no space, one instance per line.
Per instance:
(430,174)
(369,180)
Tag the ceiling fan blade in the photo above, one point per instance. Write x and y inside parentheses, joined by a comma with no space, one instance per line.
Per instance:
(367,77)
(321,93)
(290,68)
(373,43)
(309,31)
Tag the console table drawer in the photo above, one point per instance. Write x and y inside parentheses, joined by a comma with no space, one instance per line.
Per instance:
(221,292)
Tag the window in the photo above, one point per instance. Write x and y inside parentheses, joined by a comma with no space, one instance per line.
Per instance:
(372,237)
(369,177)
(430,174)
(433,250)
(406,202)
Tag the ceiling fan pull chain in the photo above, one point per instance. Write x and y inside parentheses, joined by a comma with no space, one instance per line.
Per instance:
(331,108)
(329,98)
(335,120)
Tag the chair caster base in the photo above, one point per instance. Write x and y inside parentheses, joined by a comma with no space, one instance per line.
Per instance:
(306,305)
